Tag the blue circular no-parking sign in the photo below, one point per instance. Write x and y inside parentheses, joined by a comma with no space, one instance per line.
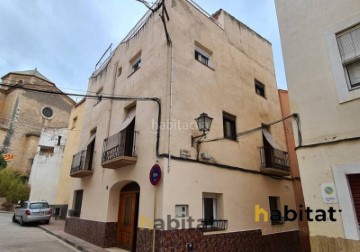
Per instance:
(155,175)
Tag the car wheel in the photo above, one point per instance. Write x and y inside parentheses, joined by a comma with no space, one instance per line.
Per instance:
(14,219)
(22,223)
(47,221)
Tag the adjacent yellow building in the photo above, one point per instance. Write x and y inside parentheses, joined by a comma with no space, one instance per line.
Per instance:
(321,47)
(63,190)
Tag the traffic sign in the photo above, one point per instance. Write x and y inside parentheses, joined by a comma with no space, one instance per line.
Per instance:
(155,175)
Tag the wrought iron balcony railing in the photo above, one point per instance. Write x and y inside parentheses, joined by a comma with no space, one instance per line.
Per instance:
(213,225)
(78,165)
(274,160)
(119,150)
(74,213)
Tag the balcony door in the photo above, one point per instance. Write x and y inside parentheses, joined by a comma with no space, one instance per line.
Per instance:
(268,149)
(128,217)
(129,139)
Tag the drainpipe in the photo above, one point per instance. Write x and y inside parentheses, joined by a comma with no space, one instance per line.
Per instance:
(171,104)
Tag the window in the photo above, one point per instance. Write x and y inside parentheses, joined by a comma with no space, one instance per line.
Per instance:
(135,62)
(209,206)
(275,214)
(39,205)
(47,112)
(349,48)
(229,125)
(259,88)
(99,96)
(46,151)
(74,122)
(354,184)
(181,211)
(202,54)
(23,205)
(59,140)
(213,212)
(119,71)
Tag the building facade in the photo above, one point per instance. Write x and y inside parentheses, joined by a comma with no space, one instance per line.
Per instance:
(72,145)
(322,67)
(46,167)
(23,114)
(294,166)
(168,70)
(49,178)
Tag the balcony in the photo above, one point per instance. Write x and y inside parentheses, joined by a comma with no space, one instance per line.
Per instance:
(213,225)
(274,162)
(119,150)
(78,167)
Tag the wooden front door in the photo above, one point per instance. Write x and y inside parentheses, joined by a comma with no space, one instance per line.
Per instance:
(127,222)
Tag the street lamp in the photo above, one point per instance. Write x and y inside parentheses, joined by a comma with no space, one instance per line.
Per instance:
(204,123)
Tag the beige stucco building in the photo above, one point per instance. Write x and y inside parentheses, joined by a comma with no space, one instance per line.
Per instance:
(63,187)
(196,63)
(320,41)
(23,114)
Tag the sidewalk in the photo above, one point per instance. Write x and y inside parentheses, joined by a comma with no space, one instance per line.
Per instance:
(56,228)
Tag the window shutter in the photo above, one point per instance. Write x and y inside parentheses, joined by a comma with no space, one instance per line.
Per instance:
(354,182)
(349,44)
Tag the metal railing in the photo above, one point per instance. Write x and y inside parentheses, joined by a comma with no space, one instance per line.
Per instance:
(103,61)
(120,144)
(74,213)
(78,162)
(273,158)
(213,225)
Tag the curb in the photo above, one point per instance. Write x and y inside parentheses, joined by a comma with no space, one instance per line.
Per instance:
(78,247)
(7,212)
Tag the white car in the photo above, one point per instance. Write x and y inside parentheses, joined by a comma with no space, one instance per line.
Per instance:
(32,211)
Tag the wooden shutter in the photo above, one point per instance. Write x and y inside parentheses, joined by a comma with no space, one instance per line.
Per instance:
(354,181)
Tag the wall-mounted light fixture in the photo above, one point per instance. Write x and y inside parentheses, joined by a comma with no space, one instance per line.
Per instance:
(204,124)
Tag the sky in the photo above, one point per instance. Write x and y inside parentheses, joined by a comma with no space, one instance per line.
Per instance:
(64,39)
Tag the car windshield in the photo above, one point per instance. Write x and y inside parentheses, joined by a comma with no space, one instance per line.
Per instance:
(40,205)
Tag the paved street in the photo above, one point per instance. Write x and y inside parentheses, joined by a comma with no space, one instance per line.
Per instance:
(13,237)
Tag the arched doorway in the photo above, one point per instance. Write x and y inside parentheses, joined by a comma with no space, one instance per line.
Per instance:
(128,216)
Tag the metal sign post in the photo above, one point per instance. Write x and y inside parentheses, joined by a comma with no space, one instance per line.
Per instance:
(154,177)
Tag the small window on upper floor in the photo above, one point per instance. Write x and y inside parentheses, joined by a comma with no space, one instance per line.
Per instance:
(229,125)
(46,150)
(99,95)
(73,126)
(119,71)
(202,54)
(135,63)
(349,48)
(260,88)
